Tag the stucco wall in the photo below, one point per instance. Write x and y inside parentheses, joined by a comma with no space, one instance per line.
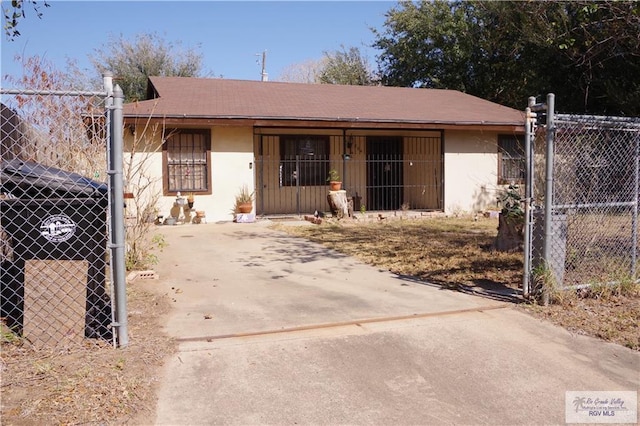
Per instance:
(470,171)
(148,175)
(143,169)
(231,166)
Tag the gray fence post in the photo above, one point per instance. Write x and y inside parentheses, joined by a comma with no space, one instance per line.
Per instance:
(634,218)
(548,192)
(117,217)
(107,82)
(298,185)
(528,135)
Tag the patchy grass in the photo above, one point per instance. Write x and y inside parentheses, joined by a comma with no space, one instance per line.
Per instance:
(448,252)
(609,312)
(457,253)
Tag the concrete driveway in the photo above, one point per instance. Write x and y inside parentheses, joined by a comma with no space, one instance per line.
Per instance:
(277,330)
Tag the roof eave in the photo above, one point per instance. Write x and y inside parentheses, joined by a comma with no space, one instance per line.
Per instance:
(326,119)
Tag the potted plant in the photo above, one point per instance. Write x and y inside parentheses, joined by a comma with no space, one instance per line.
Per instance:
(190,200)
(334,180)
(510,221)
(244,200)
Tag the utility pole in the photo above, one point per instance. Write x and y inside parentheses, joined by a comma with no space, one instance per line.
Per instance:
(263,74)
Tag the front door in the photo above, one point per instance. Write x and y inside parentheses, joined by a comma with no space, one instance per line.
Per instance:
(384,172)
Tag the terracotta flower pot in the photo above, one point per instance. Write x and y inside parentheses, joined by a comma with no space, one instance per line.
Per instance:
(335,186)
(245,207)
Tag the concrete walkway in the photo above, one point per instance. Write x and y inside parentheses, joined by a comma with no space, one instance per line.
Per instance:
(277,330)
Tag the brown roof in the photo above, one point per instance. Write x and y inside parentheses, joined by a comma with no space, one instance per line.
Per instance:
(209,98)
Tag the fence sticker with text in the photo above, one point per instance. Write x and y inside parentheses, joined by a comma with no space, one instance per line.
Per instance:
(58,228)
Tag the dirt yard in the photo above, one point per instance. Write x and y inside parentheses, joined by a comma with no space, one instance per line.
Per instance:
(98,385)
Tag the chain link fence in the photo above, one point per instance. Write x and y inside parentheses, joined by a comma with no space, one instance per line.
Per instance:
(56,203)
(582,226)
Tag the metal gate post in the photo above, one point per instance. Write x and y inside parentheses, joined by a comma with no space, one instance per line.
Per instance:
(107,81)
(548,192)
(530,121)
(117,217)
(298,185)
(634,219)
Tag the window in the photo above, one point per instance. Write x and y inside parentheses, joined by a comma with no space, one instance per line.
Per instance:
(511,159)
(186,162)
(304,160)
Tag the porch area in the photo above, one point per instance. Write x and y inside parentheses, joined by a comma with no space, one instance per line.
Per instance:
(380,172)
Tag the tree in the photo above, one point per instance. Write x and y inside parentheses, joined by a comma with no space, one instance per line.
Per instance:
(59,131)
(335,67)
(302,72)
(12,16)
(587,53)
(423,44)
(133,61)
(69,132)
(345,67)
(600,45)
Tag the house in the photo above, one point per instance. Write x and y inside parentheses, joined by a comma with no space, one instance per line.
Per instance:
(395,148)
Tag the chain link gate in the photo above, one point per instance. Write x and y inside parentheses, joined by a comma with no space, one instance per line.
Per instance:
(581,207)
(61,255)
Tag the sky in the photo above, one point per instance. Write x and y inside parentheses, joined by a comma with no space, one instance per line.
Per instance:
(230,35)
